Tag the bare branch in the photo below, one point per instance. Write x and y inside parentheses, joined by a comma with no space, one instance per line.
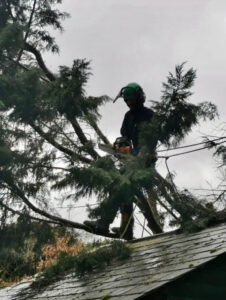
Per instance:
(220,196)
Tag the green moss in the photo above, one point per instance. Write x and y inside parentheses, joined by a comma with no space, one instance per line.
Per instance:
(214,250)
(105,297)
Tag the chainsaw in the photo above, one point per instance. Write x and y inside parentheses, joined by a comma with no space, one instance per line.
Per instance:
(120,146)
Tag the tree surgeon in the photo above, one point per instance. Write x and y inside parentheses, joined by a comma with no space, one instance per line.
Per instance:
(138,114)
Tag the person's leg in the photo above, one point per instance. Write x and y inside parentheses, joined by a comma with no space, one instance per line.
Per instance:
(127,221)
(104,214)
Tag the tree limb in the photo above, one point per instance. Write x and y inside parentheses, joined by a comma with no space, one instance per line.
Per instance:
(22,66)
(57,145)
(37,54)
(64,222)
(98,131)
(31,217)
(170,211)
(61,132)
(144,206)
(82,137)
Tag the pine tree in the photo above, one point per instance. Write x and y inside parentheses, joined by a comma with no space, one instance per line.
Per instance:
(44,146)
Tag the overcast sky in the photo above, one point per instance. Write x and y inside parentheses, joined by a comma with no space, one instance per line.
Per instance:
(141,41)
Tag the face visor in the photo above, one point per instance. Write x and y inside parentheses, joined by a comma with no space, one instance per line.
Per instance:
(128,94)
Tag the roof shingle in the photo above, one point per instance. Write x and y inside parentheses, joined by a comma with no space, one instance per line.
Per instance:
(154,262)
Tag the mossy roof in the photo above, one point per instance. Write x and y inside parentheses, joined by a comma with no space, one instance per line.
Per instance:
(154,262)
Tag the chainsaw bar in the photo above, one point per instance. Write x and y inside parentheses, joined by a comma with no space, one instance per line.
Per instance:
(107,148)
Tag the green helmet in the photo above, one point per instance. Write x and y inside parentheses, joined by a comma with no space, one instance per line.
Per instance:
(132,90)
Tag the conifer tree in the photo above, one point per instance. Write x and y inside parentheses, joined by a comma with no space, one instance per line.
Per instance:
(43,115)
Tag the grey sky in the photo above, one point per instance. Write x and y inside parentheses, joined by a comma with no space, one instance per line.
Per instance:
(141,41)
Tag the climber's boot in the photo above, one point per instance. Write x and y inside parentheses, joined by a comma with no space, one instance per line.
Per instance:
(97,226)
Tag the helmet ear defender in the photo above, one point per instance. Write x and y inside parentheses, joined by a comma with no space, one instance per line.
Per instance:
(141,94)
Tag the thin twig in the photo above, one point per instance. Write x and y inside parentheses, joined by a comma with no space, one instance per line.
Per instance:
(219,197)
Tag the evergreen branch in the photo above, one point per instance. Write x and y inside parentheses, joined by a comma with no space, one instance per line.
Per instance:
(31,217)
(182,206)
(18,192)
(34,166)
(206,221)
(83,138)
(162,186)
(98,131)
(63,133)
(58,146)
(64,222)
(60,131)
(27,32)
(22,66)
(170,211)
(37,54)
(6,6)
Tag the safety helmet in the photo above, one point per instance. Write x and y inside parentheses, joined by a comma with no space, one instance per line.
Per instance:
(131,91)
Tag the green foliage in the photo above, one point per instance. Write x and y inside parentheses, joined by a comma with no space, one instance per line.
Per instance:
(49,125)
(105,297)
(98,259)
(21,245)
(50,274)
(175,116)
(44,15)
(88,260)
(11,39)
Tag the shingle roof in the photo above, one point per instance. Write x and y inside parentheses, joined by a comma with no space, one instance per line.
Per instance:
(154,262)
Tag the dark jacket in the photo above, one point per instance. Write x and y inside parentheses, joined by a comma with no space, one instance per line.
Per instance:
(132,121)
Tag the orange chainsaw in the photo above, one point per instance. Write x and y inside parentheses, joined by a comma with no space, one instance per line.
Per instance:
(120,146)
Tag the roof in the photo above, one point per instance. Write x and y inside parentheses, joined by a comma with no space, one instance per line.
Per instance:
(153,263)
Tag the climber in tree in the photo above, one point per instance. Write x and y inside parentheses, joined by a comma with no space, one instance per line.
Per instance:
(134,97)
(138,114)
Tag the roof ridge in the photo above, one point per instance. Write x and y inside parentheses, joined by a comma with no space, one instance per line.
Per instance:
(154,236)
